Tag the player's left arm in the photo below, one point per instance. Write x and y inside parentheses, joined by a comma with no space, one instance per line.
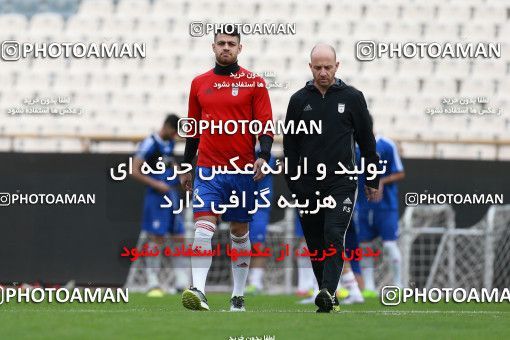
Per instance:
(395,169)
(263,113)
(393,178)
(365,138)
(191,146)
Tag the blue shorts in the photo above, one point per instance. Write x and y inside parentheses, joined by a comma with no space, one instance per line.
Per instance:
(218,191)
(159,221)
(351,243)
(258,227)
(298,229)
(372,223)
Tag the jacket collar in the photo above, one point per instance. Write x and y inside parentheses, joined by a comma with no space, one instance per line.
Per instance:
(337,85)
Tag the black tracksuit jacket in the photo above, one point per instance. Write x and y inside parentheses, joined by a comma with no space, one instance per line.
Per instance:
(345,120)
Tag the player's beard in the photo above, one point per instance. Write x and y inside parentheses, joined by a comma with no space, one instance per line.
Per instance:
(226,59)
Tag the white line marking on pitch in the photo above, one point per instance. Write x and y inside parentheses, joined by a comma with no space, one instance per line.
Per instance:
(403,312)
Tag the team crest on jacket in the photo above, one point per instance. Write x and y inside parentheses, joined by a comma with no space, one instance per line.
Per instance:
(341,107)
(235,90)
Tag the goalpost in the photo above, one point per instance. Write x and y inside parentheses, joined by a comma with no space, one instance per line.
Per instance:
(279,276)
(434,253)
(437,254)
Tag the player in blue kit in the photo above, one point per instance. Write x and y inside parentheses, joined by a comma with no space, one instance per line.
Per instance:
(380,218)
(258,231)
(157,221)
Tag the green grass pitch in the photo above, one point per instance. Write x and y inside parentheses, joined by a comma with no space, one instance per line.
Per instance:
(278,316)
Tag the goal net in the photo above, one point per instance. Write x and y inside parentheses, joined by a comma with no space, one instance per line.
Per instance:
(434,253)
(437,254)
(279,278)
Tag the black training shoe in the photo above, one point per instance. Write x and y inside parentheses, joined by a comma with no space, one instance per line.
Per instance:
(194,299)
(336,304)
(324,301)
(237,304)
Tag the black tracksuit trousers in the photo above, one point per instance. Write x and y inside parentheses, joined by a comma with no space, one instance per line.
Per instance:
(327,228)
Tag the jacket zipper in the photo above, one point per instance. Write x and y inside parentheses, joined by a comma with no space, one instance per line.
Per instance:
(323,138)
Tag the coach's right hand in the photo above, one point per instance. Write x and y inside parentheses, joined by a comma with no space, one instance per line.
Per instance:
(186,181)
(371,193)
